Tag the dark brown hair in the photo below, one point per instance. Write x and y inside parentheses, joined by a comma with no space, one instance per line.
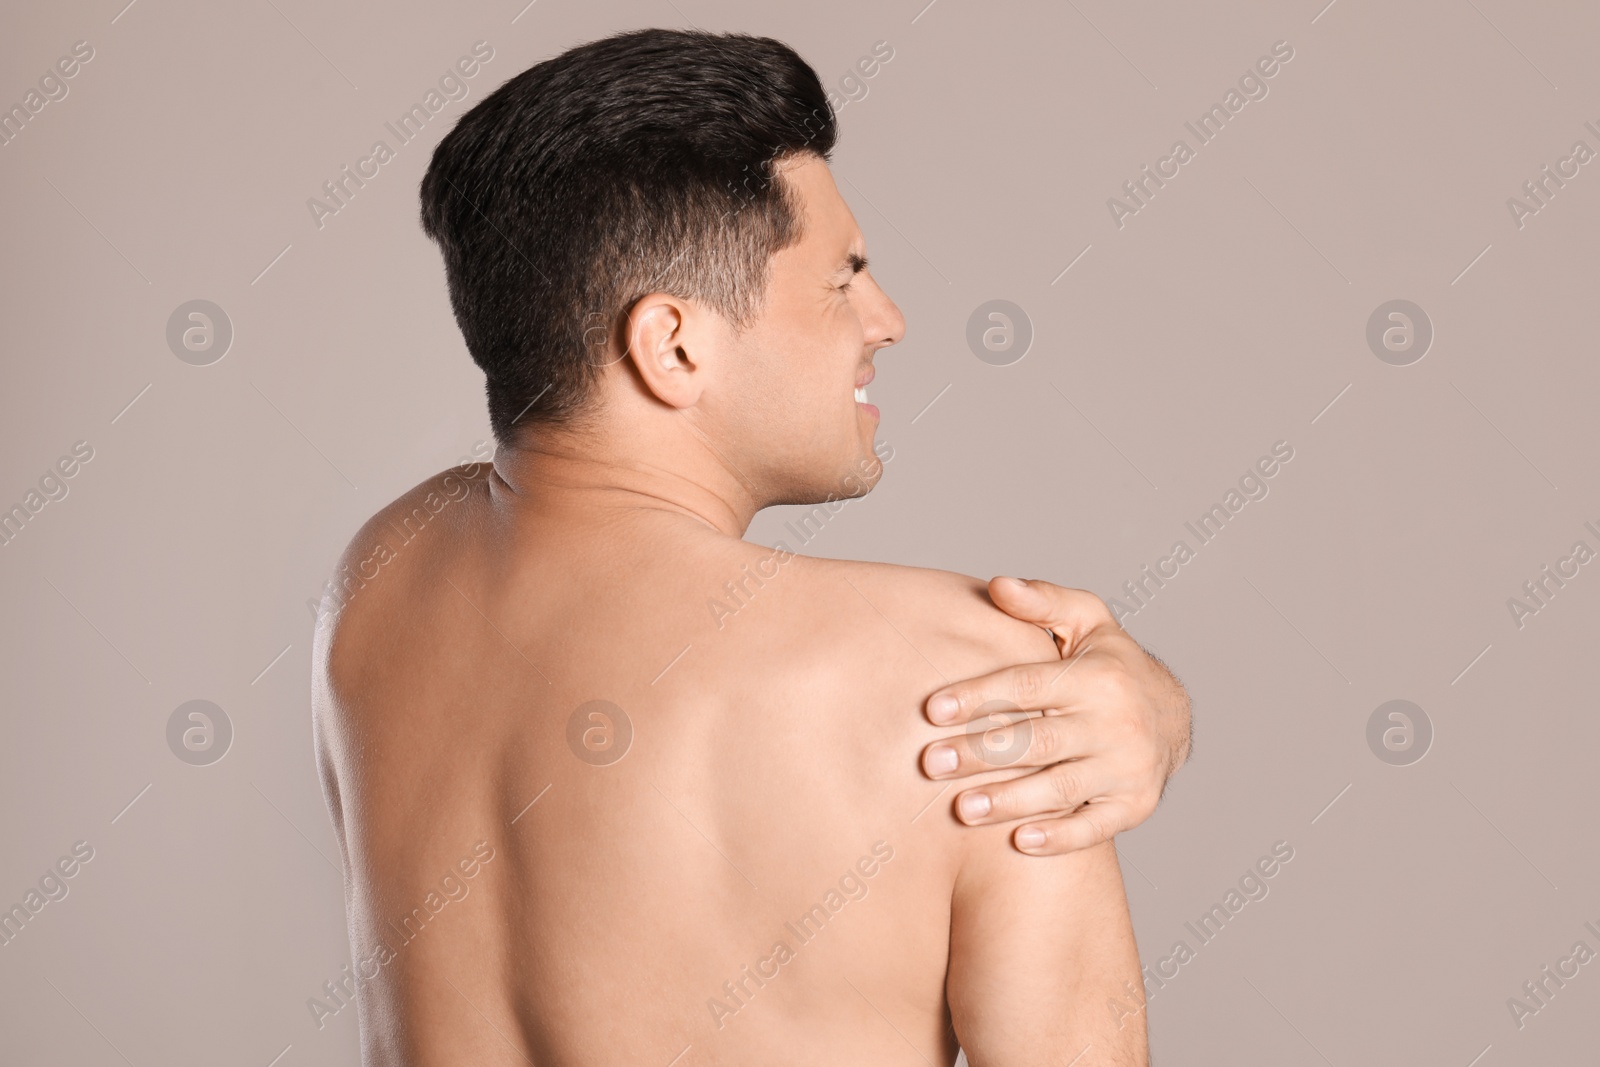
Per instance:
(642,162)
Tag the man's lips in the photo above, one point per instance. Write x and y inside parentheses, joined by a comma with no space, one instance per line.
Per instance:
(861,390)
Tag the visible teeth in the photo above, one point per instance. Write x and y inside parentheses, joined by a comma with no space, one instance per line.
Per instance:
(861,394)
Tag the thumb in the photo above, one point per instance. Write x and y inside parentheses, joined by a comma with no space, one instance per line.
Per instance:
(1025,595)
(1069,613)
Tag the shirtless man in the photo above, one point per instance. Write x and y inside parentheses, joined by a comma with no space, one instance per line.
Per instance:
(586,816)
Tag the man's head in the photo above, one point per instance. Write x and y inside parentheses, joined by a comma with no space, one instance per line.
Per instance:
(645,228)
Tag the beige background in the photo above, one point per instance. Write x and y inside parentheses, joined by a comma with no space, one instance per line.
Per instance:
(1228,314)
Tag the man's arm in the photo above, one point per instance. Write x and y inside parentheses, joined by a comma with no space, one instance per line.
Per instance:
(1116,726)
(1043,965)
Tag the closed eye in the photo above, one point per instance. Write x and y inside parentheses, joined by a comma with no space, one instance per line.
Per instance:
(857,264)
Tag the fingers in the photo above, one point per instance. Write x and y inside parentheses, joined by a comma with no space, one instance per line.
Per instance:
(1027,687)
(1059,788)
(1089,825)
(1070,614)
(1002,740)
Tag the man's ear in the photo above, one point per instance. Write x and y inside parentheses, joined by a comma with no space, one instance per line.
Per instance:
(667,342)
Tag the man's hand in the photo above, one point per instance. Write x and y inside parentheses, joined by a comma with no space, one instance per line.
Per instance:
(1115,726)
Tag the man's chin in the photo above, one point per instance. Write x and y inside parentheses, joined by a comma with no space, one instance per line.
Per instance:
(860,479)
(856,479)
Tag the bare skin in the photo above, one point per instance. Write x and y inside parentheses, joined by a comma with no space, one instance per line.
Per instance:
(1115,726)
(754,880)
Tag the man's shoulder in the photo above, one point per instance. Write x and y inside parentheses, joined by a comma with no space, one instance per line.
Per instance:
(945,617)
(381,565)
(912,595)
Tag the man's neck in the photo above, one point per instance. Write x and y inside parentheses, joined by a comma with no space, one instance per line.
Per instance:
(562,471)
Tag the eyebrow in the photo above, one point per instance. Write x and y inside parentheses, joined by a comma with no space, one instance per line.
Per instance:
(856,263)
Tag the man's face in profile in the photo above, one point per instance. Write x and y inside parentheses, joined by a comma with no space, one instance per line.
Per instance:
(788,395)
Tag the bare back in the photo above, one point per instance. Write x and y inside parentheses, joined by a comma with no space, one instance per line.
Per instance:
(613,787)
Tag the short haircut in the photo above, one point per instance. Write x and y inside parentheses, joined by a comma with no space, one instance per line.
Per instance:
(641,162)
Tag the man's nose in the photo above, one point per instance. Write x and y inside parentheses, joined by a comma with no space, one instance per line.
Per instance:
(888,325)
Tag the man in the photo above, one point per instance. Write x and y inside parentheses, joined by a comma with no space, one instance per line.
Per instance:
(595,807)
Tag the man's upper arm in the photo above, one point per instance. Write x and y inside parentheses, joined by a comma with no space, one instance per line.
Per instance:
(1043,965)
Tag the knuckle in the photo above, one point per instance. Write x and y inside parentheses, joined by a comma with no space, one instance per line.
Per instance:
(967,701)
(1067,788)
(1116,681)
(1002,800)
(1100,609)
(1091,604)
(1095,823)
(997,740)
(1114,694)
(1043,739)
(1027,686)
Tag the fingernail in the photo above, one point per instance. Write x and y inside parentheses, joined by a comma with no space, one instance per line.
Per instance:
(974,805)
(941,759)
(1030,837)
(943,708)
